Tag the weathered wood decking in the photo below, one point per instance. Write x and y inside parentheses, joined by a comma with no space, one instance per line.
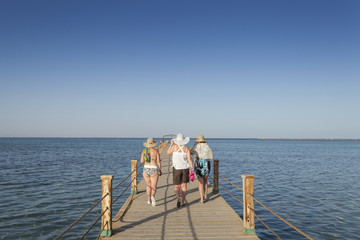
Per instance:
(213,220)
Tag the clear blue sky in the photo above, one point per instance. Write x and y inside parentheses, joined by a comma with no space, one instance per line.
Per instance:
(283,69)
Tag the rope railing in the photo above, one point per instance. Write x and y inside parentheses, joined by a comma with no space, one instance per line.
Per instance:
(291,225)
(123,191)
(250,208)
(80,218)
(123,180)
(288,223)
(265,223)
(95,205)
(98,236)
(230,193)
(89,229)
(230,182)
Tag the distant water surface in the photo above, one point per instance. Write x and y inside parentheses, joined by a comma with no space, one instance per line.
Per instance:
(46,184)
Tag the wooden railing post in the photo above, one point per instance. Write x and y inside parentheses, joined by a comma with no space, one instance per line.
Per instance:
(106,222)
(216,177)
(248,210)
(134,177)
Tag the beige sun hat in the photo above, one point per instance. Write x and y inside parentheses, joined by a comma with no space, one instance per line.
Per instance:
(150,143)
(200,139)
(180,140)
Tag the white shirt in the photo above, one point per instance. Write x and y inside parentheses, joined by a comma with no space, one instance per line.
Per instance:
(179,159)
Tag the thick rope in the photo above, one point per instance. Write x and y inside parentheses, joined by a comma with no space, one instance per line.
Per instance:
(78,220)
(94,223)
(298,230)
(123,191)
(88,211)
(102,230)
(231,194)
(295,228)
(230,182)
(123,180)
(264,223)
(253,211)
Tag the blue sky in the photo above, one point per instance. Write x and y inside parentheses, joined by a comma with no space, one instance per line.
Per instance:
(244,69)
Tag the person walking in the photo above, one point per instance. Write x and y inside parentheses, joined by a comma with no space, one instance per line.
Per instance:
(150,157)
(202,157)
(181,159)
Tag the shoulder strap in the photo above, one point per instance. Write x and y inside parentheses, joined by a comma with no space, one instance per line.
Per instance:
(180,149)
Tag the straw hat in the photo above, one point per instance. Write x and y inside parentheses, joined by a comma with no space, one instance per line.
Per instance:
(180,140)
(200,139)
(150,143)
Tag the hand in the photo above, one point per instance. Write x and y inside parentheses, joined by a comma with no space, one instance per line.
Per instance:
(160,172)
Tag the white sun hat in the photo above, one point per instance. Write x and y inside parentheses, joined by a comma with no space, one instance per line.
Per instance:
(180,140)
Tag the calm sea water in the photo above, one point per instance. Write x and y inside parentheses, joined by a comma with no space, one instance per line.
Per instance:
(46,184)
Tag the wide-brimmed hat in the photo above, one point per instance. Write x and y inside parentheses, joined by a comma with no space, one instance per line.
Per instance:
(180,140)
(200,139)
(150,143)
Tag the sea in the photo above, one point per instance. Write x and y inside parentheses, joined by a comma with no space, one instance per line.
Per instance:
(48,183)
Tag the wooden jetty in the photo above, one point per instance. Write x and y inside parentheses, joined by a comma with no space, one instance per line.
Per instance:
(214,219)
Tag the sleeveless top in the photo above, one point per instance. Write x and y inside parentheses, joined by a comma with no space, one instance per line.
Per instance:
(179,159)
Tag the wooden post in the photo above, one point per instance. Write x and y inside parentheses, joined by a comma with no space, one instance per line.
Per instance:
(106,223)
(216,177)
(134,177)
(248,213)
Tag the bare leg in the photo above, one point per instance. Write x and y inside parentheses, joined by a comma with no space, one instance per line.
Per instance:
(153,184)
(177,190)
(148,186)
(154,179)
(201,189)
(205,187)
(183,194)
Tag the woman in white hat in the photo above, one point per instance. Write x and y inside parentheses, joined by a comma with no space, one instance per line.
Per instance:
(202,157)
(150,157)
(181,159)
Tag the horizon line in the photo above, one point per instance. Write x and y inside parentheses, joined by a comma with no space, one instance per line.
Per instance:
(214,138)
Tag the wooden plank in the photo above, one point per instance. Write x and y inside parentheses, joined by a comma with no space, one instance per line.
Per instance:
(214,219)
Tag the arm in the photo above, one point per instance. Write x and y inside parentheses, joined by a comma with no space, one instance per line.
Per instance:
(171,148)
(193,147)
(189,158)
(158,161)
(142,157)
(193,152)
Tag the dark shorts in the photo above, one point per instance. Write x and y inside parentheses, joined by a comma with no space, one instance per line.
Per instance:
(180,176)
